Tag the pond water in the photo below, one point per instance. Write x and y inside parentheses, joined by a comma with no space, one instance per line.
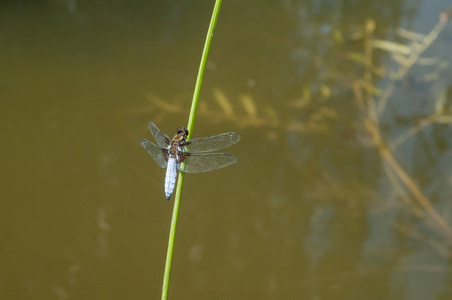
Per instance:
(314,209)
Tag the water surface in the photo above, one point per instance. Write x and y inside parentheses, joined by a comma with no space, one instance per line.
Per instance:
(308,212)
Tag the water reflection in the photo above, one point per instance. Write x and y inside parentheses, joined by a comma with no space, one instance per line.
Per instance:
(319,241)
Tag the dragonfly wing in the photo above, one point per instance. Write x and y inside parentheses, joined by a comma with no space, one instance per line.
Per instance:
(204,162)
(162,139)
(213,143)
(157,153)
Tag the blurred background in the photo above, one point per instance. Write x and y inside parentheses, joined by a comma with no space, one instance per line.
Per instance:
(343,183)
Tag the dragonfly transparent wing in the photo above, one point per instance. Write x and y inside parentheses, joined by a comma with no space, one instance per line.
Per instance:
(157,153)
(204,162)
(162,139)
(213,143)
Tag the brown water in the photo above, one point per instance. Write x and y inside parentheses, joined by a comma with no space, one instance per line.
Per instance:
(308,212)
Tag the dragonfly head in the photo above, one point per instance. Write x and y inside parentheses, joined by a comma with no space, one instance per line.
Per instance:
(182,132)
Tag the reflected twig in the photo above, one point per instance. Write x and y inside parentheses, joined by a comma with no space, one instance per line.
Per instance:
(419,197)
(417,51)
(401,192)
(436,118)
(249,114)
(401,181)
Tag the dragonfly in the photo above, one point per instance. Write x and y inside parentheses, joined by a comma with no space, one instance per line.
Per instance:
(188,155)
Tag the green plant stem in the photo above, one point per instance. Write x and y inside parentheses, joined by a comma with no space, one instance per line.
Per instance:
(191,122)
(202,67)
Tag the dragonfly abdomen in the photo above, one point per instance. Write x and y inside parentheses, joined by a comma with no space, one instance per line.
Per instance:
(170,178)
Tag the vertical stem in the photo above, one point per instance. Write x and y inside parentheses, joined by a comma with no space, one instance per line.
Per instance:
(202,67)
(191,122)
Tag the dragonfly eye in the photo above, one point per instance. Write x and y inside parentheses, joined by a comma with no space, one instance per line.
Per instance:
(182,130)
